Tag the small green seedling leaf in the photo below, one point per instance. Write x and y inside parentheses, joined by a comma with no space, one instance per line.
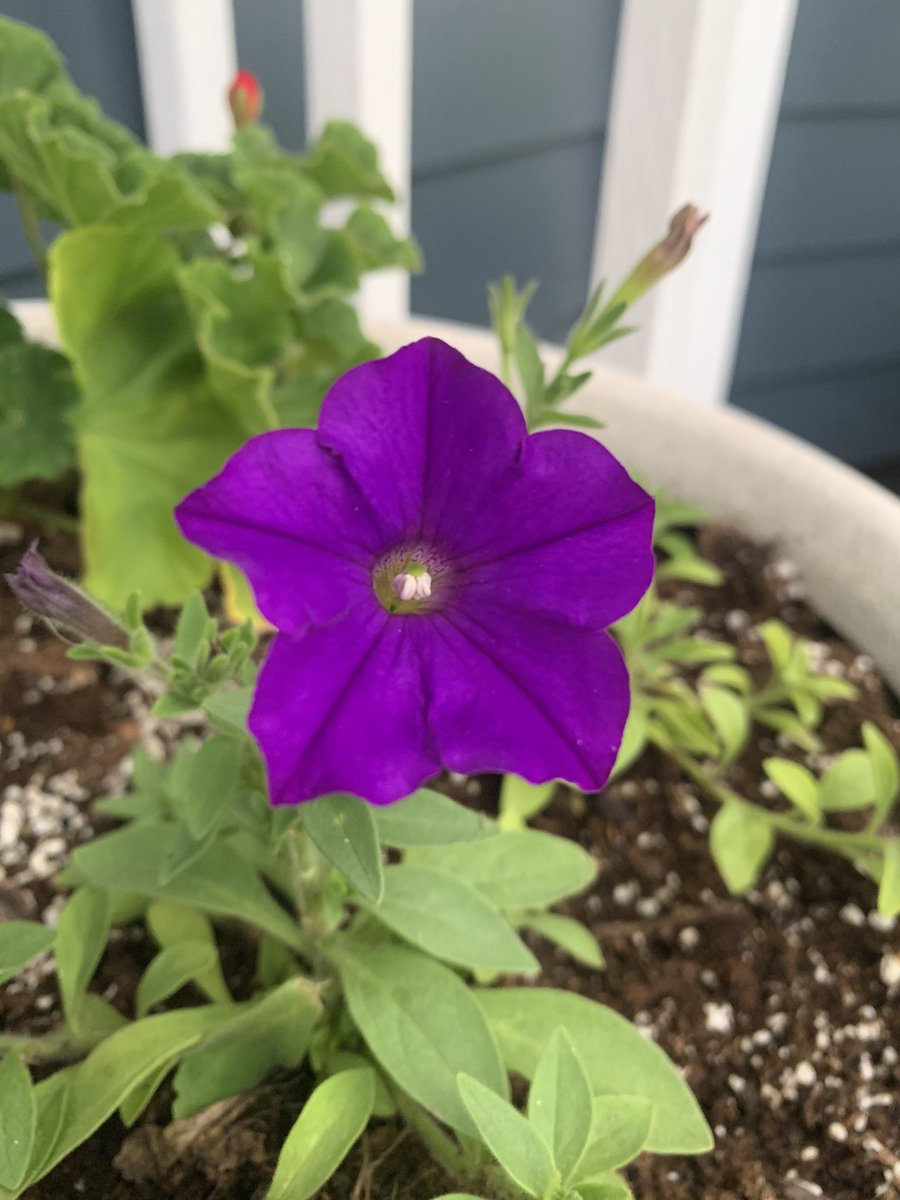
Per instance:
(730,718)
(170,970)
(343,829)
(559,1103)
(228,711)
(848,784)
(885,768)
(515,1143)
(797,783)
(211,786)
(332,1119)
(191,629)
(889,889)
(741,841)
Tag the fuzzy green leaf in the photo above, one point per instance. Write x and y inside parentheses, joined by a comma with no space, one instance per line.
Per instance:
(343,829)
(37,400)
(18,1120)
(559,1103)
(741,841)
(515,1142)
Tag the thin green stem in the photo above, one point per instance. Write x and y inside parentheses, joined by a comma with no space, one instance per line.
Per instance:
(851,845)
(30,225)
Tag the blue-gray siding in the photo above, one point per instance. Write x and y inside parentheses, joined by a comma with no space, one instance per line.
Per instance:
(510,100)
(819,350)
(269,38)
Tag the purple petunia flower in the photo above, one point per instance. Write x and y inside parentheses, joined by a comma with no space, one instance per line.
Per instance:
(440,581)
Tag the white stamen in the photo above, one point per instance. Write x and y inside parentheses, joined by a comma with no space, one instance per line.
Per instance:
(412,587)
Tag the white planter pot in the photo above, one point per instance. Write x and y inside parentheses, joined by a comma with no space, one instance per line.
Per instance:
(841,530)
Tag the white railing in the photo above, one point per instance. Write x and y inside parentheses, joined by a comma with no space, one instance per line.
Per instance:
(695,99)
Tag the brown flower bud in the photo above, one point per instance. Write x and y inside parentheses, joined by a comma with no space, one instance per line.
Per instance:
(62,604)
(665,255)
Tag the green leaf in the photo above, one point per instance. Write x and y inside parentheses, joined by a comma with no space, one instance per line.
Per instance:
(148,429)
(779,643)
(28,59)
(343,162)
(567,933)
(219,881)
(522,868)
(211,787)
(228,711)
(515,1143)
(559,1103)
(885,769)
(37,400)
(797,783)
(190,631)
(728,675)
(848,784)
(450,919)
(18,1119)
(634,739)
(172,924)
(332,1119)
(521,800)
(420,1021)
(608,1187)
(427,818)
(81,934)
(20,942)
(741,841)
(342,827)
(730,717)
(235,1057)
(616,1057)
(889,888)
(170,970)
(92,1091)
(620,1128)
(376,245)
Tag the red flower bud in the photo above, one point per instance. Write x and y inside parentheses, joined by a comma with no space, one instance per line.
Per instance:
(245,99)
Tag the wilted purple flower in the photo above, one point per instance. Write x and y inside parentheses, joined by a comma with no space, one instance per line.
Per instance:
(61,603)
(440,581)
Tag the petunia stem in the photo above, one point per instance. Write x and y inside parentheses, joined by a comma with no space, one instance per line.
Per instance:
(853,846)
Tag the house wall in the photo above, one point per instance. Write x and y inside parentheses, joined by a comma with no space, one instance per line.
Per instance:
(819,352)
(510,100)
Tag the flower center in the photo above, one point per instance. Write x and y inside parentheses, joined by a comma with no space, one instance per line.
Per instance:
(408,580)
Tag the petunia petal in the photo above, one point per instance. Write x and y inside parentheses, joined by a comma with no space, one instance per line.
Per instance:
(526,693)
(342,707)
(284,511)
(569,533)
(425,434)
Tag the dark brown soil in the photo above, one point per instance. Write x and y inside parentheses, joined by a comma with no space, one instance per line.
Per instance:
(781,1006)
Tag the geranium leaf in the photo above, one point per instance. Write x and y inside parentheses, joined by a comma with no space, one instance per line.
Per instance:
(420,1021)
(36,404)
(148,428)
(616,1057)
(332,1119)
(450,919)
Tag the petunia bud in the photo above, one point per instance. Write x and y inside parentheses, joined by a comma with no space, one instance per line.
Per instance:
(62,604)
(665,255)
(245,99)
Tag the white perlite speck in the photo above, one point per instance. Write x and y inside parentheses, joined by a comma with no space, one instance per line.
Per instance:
(719,1017)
